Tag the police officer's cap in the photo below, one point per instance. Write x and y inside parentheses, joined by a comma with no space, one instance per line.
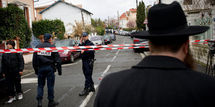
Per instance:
(47,36)
(84,34)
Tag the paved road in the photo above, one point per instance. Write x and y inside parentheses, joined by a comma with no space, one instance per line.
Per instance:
(71,82)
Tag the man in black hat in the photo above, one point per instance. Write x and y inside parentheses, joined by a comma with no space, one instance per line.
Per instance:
(45,65)
(87,65)
(166,77)
(12,68)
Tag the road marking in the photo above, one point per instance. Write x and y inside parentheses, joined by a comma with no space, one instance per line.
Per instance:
(65,95)
(113,58)
(142,55)
(87,99)
(117,52)
(28,80)
(27,91)
(27,74)
(106,70)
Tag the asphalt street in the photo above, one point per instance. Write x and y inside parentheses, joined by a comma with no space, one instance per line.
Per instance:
(68,86)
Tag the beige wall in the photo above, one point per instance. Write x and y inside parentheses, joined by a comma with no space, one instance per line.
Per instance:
(38,15)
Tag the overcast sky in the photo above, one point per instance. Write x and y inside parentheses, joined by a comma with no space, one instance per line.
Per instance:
(103,8)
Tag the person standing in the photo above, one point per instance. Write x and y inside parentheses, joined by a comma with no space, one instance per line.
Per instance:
(12,68)
(166,77)
(45,65)
(87,65)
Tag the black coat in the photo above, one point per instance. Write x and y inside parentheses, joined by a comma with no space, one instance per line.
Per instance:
(157,81)
(87,54)
(12,63)
(46,58)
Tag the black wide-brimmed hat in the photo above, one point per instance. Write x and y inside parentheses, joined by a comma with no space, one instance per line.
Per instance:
(168,20)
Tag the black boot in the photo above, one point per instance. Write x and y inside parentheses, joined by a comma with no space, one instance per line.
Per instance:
(39,103)
(84,92)
(92,89)
(52,103)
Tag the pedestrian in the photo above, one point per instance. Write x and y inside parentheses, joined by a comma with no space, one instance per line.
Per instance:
(45,65)
(12,68)
(166,77)
(87,65)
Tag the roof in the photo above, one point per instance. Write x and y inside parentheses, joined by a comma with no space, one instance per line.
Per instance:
(64,3)
(123,16)
(133,10)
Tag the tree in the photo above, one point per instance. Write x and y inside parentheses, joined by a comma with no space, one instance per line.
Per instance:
(98,25)
(14,25)
(140,16)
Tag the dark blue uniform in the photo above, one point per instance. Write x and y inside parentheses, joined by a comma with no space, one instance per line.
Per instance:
(45,64)
(87,65)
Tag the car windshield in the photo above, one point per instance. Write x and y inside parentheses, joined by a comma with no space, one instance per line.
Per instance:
(63,43)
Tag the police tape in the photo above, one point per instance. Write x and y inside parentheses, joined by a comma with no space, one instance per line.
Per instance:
(86,48)
(76,48)
(202,41)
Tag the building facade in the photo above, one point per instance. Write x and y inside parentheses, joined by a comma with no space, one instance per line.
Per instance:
(128,19)
(68,13)
(26,5)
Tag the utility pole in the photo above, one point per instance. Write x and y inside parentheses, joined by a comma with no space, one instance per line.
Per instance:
(118,18)
(108,21)
(136,3)
(82,16)
(159,1)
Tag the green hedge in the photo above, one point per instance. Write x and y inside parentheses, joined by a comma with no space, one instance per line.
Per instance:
(49,26)
(13,24)
(100,30)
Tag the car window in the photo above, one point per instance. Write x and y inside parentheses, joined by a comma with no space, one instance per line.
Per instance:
(64,43)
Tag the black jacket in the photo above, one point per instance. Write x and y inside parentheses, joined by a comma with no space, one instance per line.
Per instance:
(157,81)
(12,63)
(41,59)
(87,54)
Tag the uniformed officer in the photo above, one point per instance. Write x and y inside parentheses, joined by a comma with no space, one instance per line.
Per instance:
(87,65)
(45,64)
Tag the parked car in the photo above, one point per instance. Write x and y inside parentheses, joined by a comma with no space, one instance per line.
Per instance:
(107,39)
(97,40)
(67,55)
(139,41)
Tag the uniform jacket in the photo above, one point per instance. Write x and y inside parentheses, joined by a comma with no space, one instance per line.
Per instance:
(87,54)
(12,63)
(157,81)
(41,59)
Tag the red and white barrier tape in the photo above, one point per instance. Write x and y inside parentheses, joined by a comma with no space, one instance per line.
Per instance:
(97,47)
(204,41)
(75,48)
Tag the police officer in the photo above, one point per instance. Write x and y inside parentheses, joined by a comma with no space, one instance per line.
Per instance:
(45,64)
(87,65)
